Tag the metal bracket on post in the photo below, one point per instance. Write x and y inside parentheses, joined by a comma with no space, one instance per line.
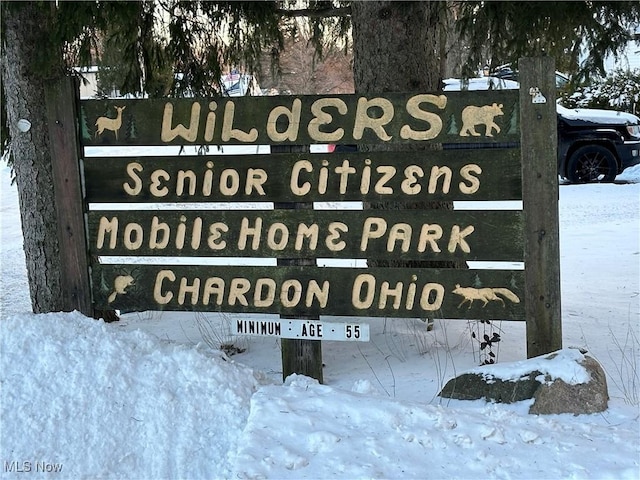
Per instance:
(537,96)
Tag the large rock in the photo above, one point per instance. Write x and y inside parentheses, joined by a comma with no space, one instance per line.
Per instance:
(558,396)
(566,381)
(474,386)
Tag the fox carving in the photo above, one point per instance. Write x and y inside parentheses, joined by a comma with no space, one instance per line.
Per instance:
(485,295)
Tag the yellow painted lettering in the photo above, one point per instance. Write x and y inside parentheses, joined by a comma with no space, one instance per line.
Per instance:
(136,188)
(158,296)
(293,117)
(434,120)
(186,289)
(363,120)
(266,299)
(458,238)
(237,290)
(228,132)
(374,227)
(215,234)
(367,283)
(474,182)
(169,133)
(296,187)
(436,173)
(321,117)
(156,188)
(107,226)
(333,241)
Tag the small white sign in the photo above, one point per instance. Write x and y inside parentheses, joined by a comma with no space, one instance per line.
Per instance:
(303,329)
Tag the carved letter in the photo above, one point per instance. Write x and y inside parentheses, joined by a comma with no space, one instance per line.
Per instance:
(293,115)
(363,120)
(228,132)
(323,118)
(157,287)
(189,134)
(413,109)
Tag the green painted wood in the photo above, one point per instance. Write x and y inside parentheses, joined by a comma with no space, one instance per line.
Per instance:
(540,203)
(452,117)
(399,235)
(308,290)
(482,174)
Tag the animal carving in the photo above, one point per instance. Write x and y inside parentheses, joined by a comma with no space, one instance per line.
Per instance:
(120,285)
(485,295)
(472,116)
(113,124)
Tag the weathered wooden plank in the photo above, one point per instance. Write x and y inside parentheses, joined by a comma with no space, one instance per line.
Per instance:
(60,99)
(452,117)
(489,174)
(540,202)
(403,235)
(302,290)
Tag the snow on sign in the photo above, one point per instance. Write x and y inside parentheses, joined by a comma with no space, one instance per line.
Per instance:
(303,329)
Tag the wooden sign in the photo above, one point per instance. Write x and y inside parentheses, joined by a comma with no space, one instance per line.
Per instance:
(467,117)
(373,292)
(145,258)
(297,178)
(171,231)
(492,174)
(403,235)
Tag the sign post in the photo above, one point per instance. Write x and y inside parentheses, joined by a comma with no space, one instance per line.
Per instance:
(299,355)
(540,201)
(61,99)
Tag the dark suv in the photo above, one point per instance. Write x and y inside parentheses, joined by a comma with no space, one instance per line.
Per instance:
(596,145)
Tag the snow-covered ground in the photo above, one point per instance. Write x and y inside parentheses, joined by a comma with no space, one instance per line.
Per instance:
(150,397)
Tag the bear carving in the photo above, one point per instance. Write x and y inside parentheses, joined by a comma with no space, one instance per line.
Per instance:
(472,116)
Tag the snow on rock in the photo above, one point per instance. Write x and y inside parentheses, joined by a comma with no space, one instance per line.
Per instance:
(565,381)
(104,403)
(564,364)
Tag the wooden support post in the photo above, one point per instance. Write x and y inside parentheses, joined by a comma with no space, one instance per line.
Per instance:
(538,120)
(61,100)
(299,355)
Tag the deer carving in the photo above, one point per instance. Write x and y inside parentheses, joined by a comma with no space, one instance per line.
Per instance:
(113,124)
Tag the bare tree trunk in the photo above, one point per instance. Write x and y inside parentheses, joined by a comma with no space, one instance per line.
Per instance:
(397,49)
(28,62)
(396,46)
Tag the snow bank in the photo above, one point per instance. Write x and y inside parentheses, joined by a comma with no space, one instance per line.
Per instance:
(330,433)
(104,403)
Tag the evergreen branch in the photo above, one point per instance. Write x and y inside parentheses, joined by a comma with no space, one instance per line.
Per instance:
(315,13)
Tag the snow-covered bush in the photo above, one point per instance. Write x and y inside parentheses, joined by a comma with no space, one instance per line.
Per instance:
(620,90)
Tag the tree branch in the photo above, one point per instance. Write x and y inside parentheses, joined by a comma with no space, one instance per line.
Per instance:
(316,13)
